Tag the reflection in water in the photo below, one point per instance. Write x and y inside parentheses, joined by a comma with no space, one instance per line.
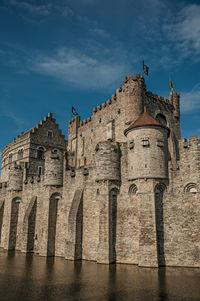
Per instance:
(34,278)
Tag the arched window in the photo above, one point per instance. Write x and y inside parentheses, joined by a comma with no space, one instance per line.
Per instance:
(161,118)
(53,212)
(112,223)
(40,153)
(160,235)
(56,196)
(191,188)
(10,158)
(14,223)
(132,189)
(20,154)
(54,151)
(160,188)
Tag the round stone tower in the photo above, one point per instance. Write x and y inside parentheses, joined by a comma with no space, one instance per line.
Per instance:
(133,97)
(107,159)
(147,148)
(53,170)
(15,178)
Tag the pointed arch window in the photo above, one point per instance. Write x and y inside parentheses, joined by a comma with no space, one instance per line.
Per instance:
(40,153)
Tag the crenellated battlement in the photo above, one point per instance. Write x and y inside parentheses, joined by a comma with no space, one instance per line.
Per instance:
(189,150)
(26,135)
(192,142)
(128,83)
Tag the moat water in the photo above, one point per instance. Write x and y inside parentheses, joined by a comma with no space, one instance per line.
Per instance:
(34,278)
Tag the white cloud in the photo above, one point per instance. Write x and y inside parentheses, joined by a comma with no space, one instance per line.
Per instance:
(184,30)
(33,9)
(80,70)
(190,101)
(99,32)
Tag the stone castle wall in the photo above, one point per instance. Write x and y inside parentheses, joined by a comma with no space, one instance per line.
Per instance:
(104,196)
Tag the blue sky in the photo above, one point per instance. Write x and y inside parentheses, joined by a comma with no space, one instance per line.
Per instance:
(54,54)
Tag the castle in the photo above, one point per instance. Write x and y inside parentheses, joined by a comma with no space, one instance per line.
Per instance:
(124,188)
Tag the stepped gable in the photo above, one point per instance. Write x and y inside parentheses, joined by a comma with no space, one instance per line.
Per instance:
(145,120)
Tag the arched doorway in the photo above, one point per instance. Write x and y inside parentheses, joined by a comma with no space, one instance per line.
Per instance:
(13,223)
(159,191)
(31,216)
(112,223)
(53,208)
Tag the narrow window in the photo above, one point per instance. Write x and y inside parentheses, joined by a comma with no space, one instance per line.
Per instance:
(39,171)
(40,153)
(20,154)
(83,145)
(109,127)
(50,134)
(10,158)
(131,144)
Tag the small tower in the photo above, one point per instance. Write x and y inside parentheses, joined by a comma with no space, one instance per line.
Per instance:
(15,178)
(147,148)
(132,96)
(107,159)
(53,174)
(147,167)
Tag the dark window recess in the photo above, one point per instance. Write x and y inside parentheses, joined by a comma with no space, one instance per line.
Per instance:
(39,171)
(131,144)
(54,151)
(50,134)
(145,142)
(40,153)
(10,158)
(160,143)
(20,154)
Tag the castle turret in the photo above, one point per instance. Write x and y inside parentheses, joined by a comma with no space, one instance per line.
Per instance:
(133,95)
(53,174)
(15,178)
(107,161)
(147,148)
(147,164)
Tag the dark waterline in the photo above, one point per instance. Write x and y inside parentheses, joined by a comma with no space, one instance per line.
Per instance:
(31,277)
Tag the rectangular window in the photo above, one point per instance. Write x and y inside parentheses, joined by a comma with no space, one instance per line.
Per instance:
(110,130)
(39,171)
(131,144)
(10,158)
(145,142)
(83,145)
(160,143)
(50,134)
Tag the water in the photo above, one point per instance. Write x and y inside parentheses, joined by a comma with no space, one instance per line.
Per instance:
(31,277)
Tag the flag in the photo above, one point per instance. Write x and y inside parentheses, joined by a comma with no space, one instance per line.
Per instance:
(145,68)
(74,111)
(171,84)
